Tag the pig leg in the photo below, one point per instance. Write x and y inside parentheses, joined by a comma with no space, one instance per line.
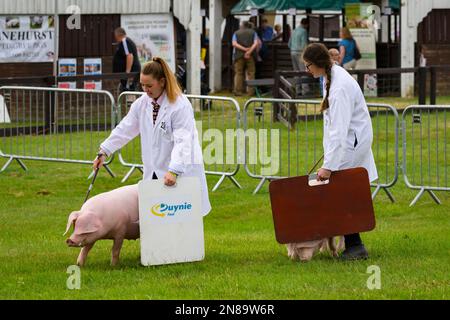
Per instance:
(116,250)
(83,254)
(292,254)
(333,247)
(341,244)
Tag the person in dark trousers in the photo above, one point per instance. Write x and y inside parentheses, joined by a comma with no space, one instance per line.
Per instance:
(348,134)
(126,60)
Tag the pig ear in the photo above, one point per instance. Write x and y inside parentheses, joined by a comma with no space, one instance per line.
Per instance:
(72,218)
(91,223)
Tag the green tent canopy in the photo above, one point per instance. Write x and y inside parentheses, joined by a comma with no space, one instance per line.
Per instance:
(273,5)
(394,4)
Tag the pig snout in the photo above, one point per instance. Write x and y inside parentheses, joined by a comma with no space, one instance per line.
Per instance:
(72,243)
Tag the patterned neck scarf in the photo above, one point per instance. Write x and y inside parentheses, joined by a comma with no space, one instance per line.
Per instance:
(156,107)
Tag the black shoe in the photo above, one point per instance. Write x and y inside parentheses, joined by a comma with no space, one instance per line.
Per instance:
(358,252)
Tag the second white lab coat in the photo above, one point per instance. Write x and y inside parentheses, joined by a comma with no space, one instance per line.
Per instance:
(170,144)
(347,122)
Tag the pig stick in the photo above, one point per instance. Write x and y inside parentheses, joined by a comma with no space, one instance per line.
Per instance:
(93,179)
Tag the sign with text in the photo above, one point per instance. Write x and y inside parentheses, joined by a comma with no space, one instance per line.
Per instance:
(27,39)
(67,67)
(170,221)
(153,35)
(359,23)
(93,66)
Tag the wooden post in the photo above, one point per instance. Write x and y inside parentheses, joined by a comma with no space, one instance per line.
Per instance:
(433,85)
(285,35)
(422,85)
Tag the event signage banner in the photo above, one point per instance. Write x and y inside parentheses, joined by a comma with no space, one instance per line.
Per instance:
(153,35)
(359,22)
(27,39)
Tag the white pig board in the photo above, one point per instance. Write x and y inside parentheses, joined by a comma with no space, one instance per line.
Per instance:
(4,116)
(171,223)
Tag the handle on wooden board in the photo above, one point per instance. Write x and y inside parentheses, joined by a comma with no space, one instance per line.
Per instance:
(312,181)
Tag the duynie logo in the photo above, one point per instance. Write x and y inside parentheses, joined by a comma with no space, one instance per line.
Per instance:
(168,210)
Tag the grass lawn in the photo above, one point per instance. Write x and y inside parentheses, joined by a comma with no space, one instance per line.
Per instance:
(411,245)
(243,260)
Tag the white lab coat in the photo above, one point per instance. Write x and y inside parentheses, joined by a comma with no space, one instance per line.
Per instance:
(171,144)
(347,120)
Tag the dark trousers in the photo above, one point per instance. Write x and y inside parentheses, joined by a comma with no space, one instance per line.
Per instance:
(352,240)
(133,86)
(154,177)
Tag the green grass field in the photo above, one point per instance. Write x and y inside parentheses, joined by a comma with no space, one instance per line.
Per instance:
(411,245)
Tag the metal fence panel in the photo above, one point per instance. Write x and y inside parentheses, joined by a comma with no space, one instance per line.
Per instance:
(293,133)
(281,146)
(216,117)
(425,149)
(53,124)
(385,146)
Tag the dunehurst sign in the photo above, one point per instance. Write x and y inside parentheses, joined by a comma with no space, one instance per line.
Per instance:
(27,39)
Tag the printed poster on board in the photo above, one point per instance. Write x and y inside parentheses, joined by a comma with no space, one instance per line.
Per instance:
(153,35)
(27,38)
(92,66)
(67,67)
(359,23)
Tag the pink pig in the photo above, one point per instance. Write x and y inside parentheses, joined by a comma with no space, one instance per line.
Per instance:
(110,215)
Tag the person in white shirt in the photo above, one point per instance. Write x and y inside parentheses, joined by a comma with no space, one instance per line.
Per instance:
(348,135)
(164,118)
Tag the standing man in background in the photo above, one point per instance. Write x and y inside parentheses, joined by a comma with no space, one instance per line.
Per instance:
(297,43)
(126,59)
(244,42)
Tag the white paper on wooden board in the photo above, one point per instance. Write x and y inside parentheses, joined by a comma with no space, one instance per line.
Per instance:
(4,115)
(67,67)
(171,223)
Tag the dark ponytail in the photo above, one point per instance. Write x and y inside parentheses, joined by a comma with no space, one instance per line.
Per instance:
(317,54)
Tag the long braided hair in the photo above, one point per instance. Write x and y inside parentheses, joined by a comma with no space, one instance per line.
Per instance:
(317,53)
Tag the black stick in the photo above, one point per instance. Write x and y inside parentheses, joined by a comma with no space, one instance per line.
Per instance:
(93,179)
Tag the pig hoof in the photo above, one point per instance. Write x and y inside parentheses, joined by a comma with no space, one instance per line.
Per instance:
(81,262)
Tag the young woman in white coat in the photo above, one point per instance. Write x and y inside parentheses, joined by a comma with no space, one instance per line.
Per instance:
(348,135)
(164,118)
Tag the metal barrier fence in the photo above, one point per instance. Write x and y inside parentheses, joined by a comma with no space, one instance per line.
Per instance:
(385,124)
(295,142)
(425,145)
(381,82)
(280,137)
(216,117)
(52,124)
